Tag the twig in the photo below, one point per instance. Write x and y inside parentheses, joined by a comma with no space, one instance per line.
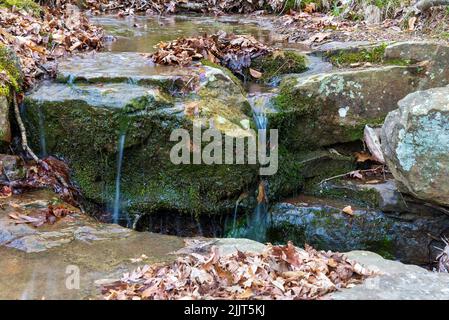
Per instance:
(27,148)
(347,173)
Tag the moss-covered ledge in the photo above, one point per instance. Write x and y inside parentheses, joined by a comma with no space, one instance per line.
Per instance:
(327,109)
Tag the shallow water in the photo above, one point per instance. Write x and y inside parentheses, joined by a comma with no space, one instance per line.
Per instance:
(142,33)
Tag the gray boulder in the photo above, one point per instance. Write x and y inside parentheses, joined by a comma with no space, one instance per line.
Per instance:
(415,143)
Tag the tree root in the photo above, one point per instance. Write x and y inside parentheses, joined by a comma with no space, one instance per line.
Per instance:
(27,148)
(23,134)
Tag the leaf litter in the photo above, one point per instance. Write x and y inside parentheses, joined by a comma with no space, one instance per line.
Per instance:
(279,272)
(38,39)
(232,51)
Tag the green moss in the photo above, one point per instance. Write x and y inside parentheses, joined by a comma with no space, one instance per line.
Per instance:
(279,63)
(354,133)
(150,181)
(289,178)
(346,57)
(9,65)
(28,5)
(398,62)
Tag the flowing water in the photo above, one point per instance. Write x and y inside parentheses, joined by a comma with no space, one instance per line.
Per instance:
(117,199)
(256,224)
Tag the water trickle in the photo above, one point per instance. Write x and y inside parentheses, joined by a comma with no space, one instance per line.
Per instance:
(117,201)
(234,222)
(71,79)
(257,222)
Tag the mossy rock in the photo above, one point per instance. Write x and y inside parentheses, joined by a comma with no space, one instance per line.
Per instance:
(10,65)
(327,109)
(345,57)
(82,124)
(279,63)
(326,227)
(297,169)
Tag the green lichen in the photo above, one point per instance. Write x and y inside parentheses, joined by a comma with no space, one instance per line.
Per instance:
(373,55)
(279,63)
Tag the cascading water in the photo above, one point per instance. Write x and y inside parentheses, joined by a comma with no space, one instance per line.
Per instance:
(117,200)
(256,223)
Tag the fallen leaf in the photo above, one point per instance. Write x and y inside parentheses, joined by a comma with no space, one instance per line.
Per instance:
(255,74)
(348,210)
(411,23)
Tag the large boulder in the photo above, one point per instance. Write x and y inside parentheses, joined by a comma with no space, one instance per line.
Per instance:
(415,143)
(82,122)
(433,57)
(325,109)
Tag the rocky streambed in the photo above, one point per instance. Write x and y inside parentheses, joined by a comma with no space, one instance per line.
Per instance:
(110,116)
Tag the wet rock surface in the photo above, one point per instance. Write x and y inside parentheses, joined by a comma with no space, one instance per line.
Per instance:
(98,110)
(415,142)
(397,281)
(35,261)
(321,222)
(101,253)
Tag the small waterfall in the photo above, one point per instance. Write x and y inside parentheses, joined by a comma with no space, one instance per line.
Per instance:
(71,79)
(257,222)
(117,200)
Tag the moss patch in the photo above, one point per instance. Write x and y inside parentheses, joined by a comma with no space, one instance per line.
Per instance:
(9,65)
(28,5)
(373,55)
(279,63)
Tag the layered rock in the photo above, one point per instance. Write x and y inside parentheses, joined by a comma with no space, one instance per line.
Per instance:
(82,121)
(320,222)
(415,143)
(326,109)
(329,108)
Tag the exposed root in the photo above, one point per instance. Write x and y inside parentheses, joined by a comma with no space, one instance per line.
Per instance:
(23,134)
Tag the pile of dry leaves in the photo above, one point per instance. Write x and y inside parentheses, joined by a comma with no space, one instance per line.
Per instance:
(43,216)
(177,6)
(38,38)
(280,272)
(49,173)
(232,51)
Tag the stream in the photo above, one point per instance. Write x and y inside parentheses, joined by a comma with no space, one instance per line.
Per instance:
(140,34)
(121,109)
